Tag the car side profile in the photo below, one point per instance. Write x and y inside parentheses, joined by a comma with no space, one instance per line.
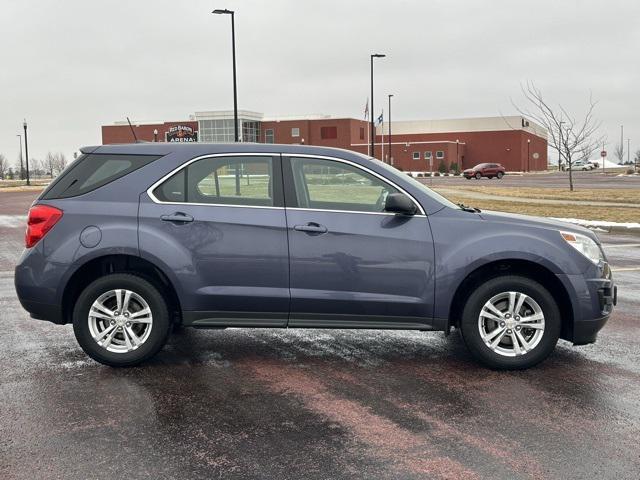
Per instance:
(488,170)
(131,241)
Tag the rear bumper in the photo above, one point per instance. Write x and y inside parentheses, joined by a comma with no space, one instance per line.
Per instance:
(43,311)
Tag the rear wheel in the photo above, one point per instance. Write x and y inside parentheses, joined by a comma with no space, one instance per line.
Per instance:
(478,176)
(500,175)
(510,322)
(121,320)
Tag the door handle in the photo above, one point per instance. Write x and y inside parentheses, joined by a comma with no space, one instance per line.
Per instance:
(311,227)
(177,217)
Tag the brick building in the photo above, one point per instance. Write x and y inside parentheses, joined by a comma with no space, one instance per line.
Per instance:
(416,146)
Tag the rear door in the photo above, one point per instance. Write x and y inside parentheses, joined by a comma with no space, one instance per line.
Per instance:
(218,227)
(351,263)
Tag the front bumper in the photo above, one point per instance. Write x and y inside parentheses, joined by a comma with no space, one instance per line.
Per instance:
(592,302)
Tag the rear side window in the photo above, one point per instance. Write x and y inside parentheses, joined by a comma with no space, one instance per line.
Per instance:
(92,171)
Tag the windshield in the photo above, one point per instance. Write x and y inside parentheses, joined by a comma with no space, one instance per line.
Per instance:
(436,196)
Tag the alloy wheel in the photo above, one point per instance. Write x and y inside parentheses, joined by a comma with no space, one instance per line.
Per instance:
(120,320)
(511,324)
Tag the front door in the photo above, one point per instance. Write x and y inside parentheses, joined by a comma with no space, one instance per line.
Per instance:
(218,227)
(351,263)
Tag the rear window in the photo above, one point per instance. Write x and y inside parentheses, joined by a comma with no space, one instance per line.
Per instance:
(92,171)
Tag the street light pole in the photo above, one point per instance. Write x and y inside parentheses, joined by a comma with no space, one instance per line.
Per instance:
(389,120)
(560,146)
(528,156)
(373,132)
(233,53)
(26,151)
(155,134)
(21,164)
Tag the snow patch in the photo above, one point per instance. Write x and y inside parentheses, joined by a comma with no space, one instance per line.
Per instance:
(600,224)
(13,221)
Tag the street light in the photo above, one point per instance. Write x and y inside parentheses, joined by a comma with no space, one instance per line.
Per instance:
(373,132)
(26,151)
(233,51)
(389,120)
(560,147)
(21,164)
(155,134)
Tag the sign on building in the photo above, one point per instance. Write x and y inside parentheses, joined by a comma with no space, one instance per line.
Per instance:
(181,133)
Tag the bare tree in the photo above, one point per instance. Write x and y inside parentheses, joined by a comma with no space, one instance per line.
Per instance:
(60,162)
(4,166)
(619,152)
(574,138)
(49,163)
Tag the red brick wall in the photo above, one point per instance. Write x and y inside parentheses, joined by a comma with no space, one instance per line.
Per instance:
(122,133)
(509,148)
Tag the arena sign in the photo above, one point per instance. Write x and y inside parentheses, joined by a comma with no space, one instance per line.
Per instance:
(181,133)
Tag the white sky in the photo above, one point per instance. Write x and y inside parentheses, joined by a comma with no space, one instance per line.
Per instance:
(70,66)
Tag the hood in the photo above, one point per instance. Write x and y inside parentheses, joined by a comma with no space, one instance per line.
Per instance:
(540,222)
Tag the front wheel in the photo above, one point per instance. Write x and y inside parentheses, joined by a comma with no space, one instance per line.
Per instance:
(500,175)
(510,323)
(121,320)
(478,176)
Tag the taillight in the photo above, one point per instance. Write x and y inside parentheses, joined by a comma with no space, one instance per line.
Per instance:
(41,219)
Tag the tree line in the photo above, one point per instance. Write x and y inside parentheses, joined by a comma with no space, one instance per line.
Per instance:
(51,166)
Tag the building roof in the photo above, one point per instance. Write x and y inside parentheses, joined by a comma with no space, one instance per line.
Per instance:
(476,124)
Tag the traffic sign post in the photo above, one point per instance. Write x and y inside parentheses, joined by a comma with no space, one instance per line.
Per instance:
(603,154)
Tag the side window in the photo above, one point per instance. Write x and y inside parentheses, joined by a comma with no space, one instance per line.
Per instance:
(330,185)
(93,171)
(222,180)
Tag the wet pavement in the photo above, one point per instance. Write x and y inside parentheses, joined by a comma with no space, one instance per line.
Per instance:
(326,404)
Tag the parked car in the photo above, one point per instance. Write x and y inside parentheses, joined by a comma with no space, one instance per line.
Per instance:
(488,170)
(133,240)
(578,165)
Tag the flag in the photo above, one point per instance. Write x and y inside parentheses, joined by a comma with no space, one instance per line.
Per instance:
(381,117)
(366,110)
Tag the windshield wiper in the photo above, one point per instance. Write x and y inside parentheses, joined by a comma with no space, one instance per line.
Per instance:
(468,209)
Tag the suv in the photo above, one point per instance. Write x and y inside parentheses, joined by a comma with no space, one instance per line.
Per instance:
(488,170)
(133,240)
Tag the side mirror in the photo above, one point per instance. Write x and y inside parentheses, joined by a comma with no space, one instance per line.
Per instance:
(400,203)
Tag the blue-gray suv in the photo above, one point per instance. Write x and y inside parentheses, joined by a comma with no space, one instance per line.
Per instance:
(132,241)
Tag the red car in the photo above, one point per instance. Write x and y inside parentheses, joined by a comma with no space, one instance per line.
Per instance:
(488,170)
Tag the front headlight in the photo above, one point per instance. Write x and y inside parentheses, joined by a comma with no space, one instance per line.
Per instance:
(584,245)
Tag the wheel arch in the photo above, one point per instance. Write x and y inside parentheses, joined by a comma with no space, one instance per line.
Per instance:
(119,263)
(525,268)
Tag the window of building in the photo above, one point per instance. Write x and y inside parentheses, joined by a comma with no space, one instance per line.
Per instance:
(328,133)
(330,185)
(439,154)
(295,132)
(269,135)
(361,133)
(416,155)
(221,180)
(427,155)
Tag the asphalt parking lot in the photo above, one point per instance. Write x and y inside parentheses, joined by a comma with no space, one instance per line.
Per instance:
(325,404)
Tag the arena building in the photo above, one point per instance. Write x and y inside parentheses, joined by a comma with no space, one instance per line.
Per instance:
(416,146)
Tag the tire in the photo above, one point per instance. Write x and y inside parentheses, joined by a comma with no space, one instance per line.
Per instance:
(146,333)
(505,356)
(478,176)
(468,178)
(490,177)
(500,175)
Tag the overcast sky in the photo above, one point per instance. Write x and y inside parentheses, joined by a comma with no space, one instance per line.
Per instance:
(69,67)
